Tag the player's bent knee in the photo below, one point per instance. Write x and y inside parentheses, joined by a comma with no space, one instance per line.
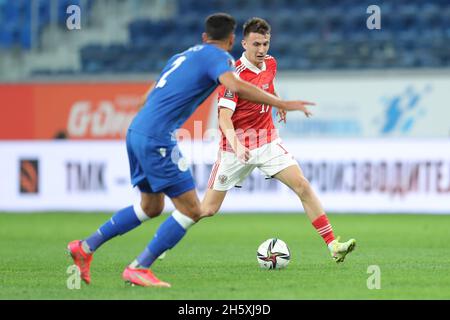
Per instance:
(152,210)
(195,213)
(209,212)
(302,187)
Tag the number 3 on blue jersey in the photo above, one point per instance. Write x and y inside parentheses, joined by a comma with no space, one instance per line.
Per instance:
(162,82)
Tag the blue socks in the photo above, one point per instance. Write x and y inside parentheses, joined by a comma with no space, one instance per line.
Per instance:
(171,231)
(121,222)
(168,235)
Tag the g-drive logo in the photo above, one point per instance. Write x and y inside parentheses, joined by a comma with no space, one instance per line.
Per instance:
(403,110)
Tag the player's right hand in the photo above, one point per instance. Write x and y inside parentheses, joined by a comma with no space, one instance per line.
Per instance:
(282,115)
(242,153)
(298,105)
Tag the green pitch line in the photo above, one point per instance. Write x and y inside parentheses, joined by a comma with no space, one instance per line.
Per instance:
(217,258)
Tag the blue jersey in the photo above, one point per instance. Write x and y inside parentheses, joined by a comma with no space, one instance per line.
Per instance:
(185,82)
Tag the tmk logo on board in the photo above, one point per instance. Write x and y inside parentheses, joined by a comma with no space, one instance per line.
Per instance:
(29,176)
(86,177)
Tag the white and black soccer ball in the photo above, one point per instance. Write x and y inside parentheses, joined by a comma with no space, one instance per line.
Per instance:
(273,254)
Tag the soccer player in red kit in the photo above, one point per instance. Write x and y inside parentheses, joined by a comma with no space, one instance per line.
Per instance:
(250,140)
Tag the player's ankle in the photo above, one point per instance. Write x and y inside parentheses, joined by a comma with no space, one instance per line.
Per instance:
(85,247)
(136,265)
(331,244)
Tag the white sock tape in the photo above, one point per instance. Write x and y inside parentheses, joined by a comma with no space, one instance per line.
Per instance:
(140,214)
(182,219)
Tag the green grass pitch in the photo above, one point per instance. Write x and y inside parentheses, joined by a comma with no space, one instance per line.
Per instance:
(217,258)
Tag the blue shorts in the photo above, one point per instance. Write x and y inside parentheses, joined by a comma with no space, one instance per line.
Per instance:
(157,166)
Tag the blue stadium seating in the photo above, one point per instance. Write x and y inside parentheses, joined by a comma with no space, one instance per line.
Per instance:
(15,20)
(307,34)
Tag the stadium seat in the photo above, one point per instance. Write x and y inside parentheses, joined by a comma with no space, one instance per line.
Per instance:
(25,36)
(306,34)
(6,38)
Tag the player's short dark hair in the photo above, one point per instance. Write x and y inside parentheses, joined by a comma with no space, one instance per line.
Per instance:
(219,26)
(256,25)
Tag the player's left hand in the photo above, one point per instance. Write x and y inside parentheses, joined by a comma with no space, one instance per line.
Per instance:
(281,115)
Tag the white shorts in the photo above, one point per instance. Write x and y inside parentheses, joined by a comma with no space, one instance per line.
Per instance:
(228,171)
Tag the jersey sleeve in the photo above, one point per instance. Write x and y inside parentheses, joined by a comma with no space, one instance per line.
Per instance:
(275,67)
(226,98)
(272,64)
(218,64)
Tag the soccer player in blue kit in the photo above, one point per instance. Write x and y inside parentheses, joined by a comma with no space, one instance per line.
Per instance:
(156,165)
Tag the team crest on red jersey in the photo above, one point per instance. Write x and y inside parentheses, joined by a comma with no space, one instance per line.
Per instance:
(228,94)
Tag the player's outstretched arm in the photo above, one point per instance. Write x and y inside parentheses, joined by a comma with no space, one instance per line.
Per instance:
(252,93)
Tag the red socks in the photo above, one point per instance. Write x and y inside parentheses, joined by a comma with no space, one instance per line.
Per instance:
(324,228)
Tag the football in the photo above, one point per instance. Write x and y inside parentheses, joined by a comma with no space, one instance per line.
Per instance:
(273,254)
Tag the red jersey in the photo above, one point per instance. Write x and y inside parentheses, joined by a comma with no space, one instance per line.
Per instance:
(252,122)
